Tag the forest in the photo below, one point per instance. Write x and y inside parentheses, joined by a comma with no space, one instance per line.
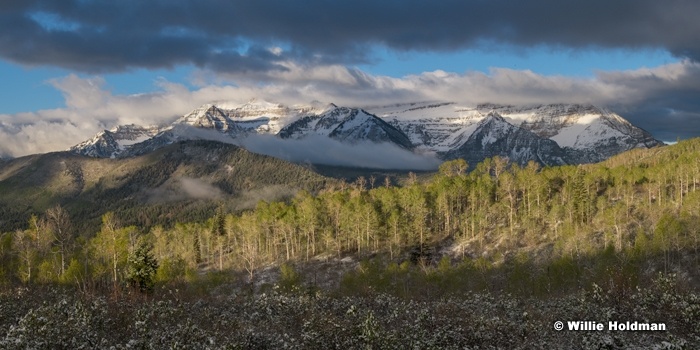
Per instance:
(494,229)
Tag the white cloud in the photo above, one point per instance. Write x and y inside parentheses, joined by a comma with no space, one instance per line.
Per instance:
(323,150)
(183,188)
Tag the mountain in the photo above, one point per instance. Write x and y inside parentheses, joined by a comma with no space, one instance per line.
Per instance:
(494,136)
(210,117)
(110,143)
(227,120)
(179,181)
(595,133)
(585,133)
(254,116)
(347,125)
(549,134)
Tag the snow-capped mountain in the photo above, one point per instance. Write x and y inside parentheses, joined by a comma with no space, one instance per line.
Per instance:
(229,120)
(347,125)
(494,136)
(549,134)
(596,132)
(586,133)
(210,117)
(111,143)
(437,127)
(255,116)
(263,117)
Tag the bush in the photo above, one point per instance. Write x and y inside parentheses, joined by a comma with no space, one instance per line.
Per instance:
(290,280)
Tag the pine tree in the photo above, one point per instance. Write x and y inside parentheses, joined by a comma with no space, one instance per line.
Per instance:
(142,268)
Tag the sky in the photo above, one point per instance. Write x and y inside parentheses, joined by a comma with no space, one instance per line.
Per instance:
(71,68)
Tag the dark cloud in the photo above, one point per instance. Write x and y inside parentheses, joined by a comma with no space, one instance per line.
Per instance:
(98,35)
(681,121)
(663,100)
(91,38)
(664,123)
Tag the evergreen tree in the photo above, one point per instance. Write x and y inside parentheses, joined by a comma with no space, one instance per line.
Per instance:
(142,268)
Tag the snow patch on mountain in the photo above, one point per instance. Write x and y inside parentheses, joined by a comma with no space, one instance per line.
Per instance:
(569,134)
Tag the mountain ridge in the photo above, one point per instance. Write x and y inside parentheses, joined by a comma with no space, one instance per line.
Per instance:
(179,179)
(557,133)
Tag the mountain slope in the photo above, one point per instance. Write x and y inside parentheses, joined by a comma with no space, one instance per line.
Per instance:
(210,117)
(175,182)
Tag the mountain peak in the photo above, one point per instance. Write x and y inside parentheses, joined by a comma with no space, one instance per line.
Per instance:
(110,143)
(209,117)
(493,116)
(256,105)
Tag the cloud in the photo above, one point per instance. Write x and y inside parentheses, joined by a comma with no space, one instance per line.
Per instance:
(250,198)
(662,100)
(89,109)
(198,189)
(245,36)
(323,150)
(315,149)
(183,188)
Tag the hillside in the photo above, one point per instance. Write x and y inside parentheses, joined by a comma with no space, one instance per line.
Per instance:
(180,182)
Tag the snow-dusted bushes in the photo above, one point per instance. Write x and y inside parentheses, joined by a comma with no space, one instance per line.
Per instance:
(319,321)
